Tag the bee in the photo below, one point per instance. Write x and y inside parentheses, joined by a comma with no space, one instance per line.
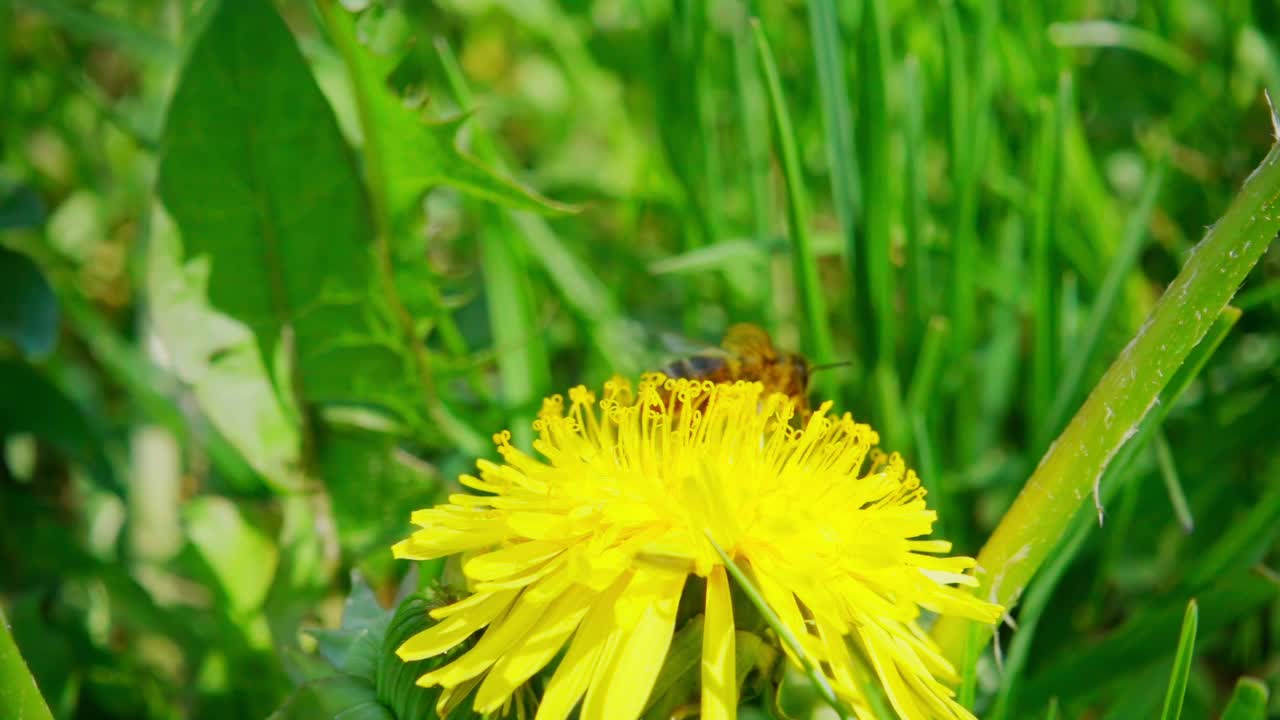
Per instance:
(747,353)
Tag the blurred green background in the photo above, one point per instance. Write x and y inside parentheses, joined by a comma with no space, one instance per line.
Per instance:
(253,314)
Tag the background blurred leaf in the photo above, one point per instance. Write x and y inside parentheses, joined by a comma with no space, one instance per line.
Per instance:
(31,403)
(241,557)
(28,309)
(20,207)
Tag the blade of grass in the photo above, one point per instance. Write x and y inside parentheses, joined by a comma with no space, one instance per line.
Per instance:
(755,134)
(1108,34)
(1046,581)
(18,692)
(875,141)
(920,297)
(842,155)
(1085,349)
(969,108)
(784,633)
(1244,544)
(804,262)
(1115,662)
(924,384)
(1043,272)
(1181,664)
(1248,700)
(1172,485)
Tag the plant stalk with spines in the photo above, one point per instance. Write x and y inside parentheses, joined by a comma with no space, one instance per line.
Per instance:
(1070,469)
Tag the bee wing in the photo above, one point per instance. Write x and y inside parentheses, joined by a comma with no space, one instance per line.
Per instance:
(749,341)
(677,345)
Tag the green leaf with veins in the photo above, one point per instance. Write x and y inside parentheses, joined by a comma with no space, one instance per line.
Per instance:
(256,174)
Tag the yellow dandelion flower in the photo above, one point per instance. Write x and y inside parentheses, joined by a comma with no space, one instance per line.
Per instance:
(591,548)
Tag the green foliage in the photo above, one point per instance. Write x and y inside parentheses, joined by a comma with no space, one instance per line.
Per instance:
(272,273)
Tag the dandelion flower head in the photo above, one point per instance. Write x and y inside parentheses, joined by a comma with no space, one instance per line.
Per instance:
(589,550)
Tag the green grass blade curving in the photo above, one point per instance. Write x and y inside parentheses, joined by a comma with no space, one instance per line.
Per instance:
(1177,690)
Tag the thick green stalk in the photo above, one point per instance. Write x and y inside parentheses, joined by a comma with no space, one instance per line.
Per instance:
(1069,471)
(1044,283)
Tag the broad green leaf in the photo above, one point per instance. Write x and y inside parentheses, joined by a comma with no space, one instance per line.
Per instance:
(28,309)
(256,175)
(31,403)
(1248,701)
(217,357)
(18,692)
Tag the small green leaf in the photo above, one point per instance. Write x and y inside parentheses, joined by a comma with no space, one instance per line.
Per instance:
(1248,701)
(355,647)
(341,697)
(405,154)
(28,308)
(1181,664)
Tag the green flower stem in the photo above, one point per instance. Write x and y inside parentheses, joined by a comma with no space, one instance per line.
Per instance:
(1070,469)
(819,681)
(18,692)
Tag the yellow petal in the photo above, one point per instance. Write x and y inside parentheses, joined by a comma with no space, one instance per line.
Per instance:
(454,629)
(502,634)
(535,650)
(624,678)
(512,560)
(878,647)
(719,686)
(579,663)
